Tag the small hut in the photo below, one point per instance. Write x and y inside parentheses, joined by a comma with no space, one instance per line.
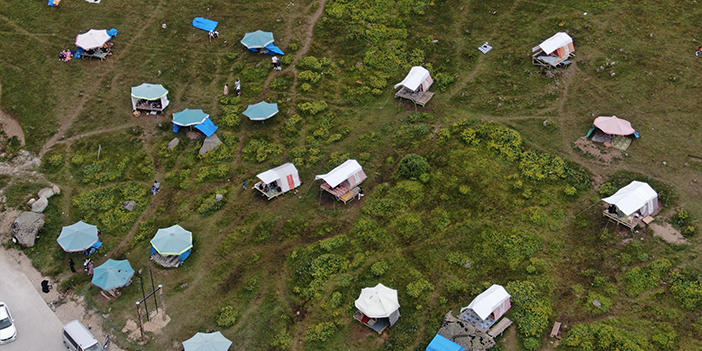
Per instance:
(149,97)
(415,86)
(487,307)
(378,307)
(554,51)
(632,204)
(277,181)
(343,181)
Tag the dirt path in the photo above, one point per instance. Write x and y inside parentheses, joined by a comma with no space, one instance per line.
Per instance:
(9,125)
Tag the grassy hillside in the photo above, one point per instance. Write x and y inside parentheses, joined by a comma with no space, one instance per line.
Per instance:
(486,173)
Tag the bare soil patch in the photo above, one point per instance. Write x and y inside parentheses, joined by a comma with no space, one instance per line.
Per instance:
(666,232)
(606,156)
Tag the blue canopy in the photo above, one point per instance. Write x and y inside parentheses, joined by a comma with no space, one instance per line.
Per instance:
(148,91)
(270,49)
(257,40)
(91,250)
(54,2)
(78,237)
(189,117)
(440,343)
(207,342)
(204,24)
(173,240)
(113,274)
(261,111)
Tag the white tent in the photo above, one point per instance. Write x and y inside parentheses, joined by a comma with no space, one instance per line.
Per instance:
(557,41)
(350,171)
(417,77)
(149,97)
(379,302)
(493,301)
(285,177)
(637,196)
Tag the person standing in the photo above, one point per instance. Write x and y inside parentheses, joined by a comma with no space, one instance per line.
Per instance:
(237,87)
(72,265)
(91,268)
(156,187)
(699,51)
(244,185)
(226,89)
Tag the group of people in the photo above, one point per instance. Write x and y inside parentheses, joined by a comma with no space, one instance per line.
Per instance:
(213,34)
(156,187)
(66,55)
(237,88)
(277,64)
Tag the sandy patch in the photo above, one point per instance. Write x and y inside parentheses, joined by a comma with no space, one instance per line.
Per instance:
(606,155)
(668,233)
(157,321)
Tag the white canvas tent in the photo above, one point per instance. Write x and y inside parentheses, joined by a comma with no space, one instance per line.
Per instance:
(416,85)
(277,181)
(378,307)
(635,197)
(487,307)
(150,97)
(349,171)
(554,50)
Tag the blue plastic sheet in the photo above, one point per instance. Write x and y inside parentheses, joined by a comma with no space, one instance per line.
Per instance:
(204,24)
(112,32)
(207,127)
(440,343)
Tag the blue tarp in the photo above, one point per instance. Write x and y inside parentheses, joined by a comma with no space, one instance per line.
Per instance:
(112,32)
(176,128)
(204,24)
(207,127)
(93,248)
(270,49)
(440,343)
(54,2)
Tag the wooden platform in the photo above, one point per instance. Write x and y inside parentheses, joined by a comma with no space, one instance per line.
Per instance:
(420,98)
(630,221)
(166,260)
(272,193)
(341,192)
(500,327)
(556,329)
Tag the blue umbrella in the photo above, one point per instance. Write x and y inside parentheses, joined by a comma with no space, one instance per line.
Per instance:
(173,240)
(113,274)
(207,342)
(257,40)
(78,237)
(189,117)
(261,111)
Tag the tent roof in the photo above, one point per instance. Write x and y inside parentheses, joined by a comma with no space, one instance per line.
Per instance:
(189,117)
(632,197)
(149,91)
(208,127)
(489,300)
(337,175)
(173,240)
(378,301)
(207,342)
(614,125)
(440,343)
(261,111)
(416,76)
(257,40)
(279,172)
(92,39)
(78,237)
(558,40)
(112,274)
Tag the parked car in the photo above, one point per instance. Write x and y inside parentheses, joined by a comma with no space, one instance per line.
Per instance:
(8,332)
(77,337)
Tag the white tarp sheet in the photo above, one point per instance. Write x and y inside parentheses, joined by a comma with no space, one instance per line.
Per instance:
(417,76)
(551,44)
(495,299)
(378,302)
(633,197)
(344,171)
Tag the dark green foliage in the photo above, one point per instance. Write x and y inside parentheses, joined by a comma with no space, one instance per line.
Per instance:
(687,290)
(412,166)
(600,336)
(531,310)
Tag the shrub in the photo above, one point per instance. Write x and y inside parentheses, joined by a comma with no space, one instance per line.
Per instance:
(456,258)
(418,287)
(320,332)
(312,108)
(226,317)
(641,279)
(310,77)
(209,173)
(410,135)
(688,292)
(604,302)
(379,268)
(53,163)
(309,63)
(444,80)
(607,189)
(530,308)
(231,117)
(291,127)
(259,150)
(412,166)
(681,219)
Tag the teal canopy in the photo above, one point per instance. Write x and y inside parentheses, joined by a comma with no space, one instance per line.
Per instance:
(173,240)
(113,274)
(261,111)
(189,117)
(78,237)
(148,91)
(207,342)
(257,40)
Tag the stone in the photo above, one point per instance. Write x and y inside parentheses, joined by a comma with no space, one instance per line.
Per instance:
(31,201)
(46,193)
(172,145)
(597,303)
(129,205)
(26,226)
(56,189)
(210,144)
(219,197)
(467,264)
(40,205)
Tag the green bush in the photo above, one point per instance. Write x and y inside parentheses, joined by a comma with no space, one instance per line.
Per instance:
(312,108)
(209,173)
(309,63)
(410,135)
(412,166)
(600,336)
(310,77)
(231,117)
(227,316)
(688,292)
(260,150)
(320,332)
(641,279)
(379,268)
(53,163)
(417,287)
(531,308)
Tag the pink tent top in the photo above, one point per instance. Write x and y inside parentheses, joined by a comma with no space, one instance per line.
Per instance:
(614,125)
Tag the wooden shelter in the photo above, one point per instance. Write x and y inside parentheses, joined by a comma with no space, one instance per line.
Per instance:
(554,51)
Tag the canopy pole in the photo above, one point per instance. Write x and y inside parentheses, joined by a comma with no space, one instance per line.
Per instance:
(141,321)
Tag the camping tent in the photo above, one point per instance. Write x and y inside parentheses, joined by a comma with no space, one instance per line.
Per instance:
(554,50)
(487,307)
(257,40)
(614,125)
(380,304)
(637,196)
(194,118)
(92,39)
(279,180)
(205,24)
(79,237)
(350,171)
(261,111)
(172,241)
(207,342)
(113,274)
(440,343)
(149,97)
(417,78)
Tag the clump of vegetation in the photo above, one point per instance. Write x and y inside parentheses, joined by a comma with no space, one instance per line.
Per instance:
(640,279)
(260,150)
(227,316)
(413,166)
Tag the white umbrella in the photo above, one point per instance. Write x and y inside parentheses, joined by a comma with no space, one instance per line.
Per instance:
(92,39)
(378,301)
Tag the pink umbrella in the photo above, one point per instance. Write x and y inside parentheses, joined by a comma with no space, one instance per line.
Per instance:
(614,125)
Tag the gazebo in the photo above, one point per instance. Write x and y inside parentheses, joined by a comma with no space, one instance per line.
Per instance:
(260,41)
(207,342)
(194,118)
(261,111)
(378,307)
(113,274)
(80,237)
(149,97)
(171,246)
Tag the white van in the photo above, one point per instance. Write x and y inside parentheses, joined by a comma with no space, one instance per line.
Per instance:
(76,337)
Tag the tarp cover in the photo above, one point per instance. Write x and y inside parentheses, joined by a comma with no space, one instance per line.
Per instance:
(173,240)
(614,125)
(378,301)
(440,343)
(416,77)
(558,40)
(78,237)
(341,173)
(148,91)
(54,2)
(207,126)
(207,342)
(92,39)
(637,195)
(204,24)
(489,301)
